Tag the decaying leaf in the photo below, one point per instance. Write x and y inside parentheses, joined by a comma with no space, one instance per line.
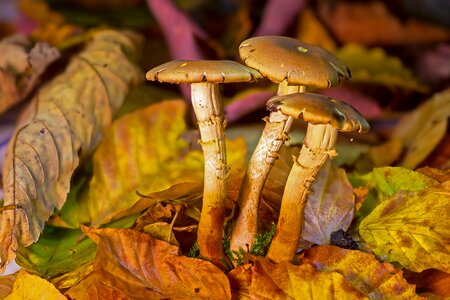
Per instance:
(369,276)
(437,174)
(374,66)
(20,68)
(371,23)
(310,30)
(142,151)
(58,251)
(431,281)
(423,128)
(412,228)
(31,287)
(6,284)
(135,265)
(64,123)
(330,205)
(265,280)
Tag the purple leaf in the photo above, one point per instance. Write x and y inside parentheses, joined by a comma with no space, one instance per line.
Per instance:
(247,103)
(278,15)
(366,105)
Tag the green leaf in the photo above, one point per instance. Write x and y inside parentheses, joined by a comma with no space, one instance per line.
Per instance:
(58,251)
(412,228)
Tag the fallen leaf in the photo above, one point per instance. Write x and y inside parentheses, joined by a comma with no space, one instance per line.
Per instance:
(265,280)
(374,66)
(278,15)
(247,102)
(6,284)
(371,23)
(58,251)
(147,268)
(64,123)
(69,279)
(369,276)
(412,228)
(423,128)
(330,205)
(21,67)
(386,153)
(159,159)
(366,105)
(311,30)
(162,231)
(437,174)
(30,287)
(431,281)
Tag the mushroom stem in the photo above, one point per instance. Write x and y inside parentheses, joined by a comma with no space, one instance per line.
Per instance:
(264,156)
(318,145)
(209,113)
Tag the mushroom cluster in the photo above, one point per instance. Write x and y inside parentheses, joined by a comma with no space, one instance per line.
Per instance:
(294,66)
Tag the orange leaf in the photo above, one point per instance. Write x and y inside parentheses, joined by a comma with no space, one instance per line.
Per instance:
(431,281)
(371,23)
(265,280)
(141,267)
(371,277)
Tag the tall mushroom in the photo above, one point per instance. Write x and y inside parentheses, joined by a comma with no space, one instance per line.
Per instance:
(325,117)
(204,77)
(294,65)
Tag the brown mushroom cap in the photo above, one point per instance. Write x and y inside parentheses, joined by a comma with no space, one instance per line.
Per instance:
(319,109)
(280,58)
(195,71)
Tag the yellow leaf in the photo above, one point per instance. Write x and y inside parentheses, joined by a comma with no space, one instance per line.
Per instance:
(412,228)
(32,287)
(137,266)
(265,280)
(143,151)
(374,66)
(369,276)
(422,129)
(64,123)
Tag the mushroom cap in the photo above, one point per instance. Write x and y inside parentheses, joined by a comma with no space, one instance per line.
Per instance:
(280,58)
(319,109)
(195,71)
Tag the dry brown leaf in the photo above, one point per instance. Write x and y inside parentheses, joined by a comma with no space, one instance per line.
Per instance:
(20,68)
(431,281)
(371,23)
(330,205)
(64,123)
(371,277)
(135,265)
(265,280)
(439,175)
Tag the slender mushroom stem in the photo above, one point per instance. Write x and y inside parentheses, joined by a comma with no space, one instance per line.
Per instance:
(318,145)
(209,112)
(264,156)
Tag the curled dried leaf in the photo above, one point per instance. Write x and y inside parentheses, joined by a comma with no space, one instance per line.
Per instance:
(63,124)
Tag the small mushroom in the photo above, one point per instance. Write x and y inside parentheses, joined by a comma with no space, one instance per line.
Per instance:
(204,77)
(293,65)
(325,117)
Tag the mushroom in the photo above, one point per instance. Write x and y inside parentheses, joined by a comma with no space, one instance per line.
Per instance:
(294,65)
(204,77)
(325,117)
